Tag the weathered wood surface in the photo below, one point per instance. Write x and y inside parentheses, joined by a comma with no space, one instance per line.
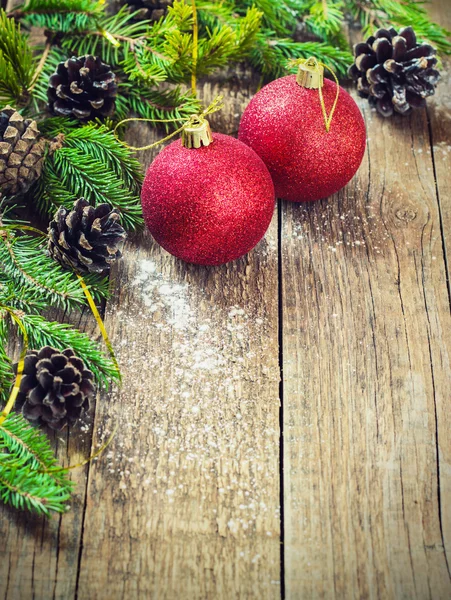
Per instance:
(366,363)
(185,503)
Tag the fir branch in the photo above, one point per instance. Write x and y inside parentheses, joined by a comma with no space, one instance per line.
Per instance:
(91,164)
(166,53)
(142,64)
(217,47)
(27,489)
(6,370)
(16,62)
(18,296)
(53,126)
(325,18)
(40,277)
(60,15)
(210,13)
(25,459)
(28,447)
(50,192)
(85,176)
(271,57)
(247,29)
(56,23)
(89,7)
(92,39)
(279,17)
(61,336)
(171,103)
(98,141)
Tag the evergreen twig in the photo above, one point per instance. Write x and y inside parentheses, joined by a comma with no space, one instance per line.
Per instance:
(16,62)
(26,460)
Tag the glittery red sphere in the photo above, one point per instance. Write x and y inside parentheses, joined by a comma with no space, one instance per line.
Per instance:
(208,205)
(284,124)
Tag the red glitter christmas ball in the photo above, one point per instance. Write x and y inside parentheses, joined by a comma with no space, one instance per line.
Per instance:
(284,124)
(208,205)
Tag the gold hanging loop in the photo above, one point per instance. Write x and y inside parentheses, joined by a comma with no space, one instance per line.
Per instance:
(216,105)
(311,76)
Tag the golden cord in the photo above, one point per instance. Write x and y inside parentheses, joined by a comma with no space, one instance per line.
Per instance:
(216,105)
(317,67)
(195,47)
(86,460)
(20,365)
(100,323)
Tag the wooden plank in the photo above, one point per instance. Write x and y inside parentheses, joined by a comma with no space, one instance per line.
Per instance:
(366,343)
(40,555)
(439,115)
(186,503)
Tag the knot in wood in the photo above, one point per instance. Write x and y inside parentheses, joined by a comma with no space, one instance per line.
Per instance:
(406,214)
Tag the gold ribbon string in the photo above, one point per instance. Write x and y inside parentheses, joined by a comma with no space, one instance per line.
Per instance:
(89,298)
(316,66)
(108,36)
(195,47)
(84,462)
(216,105)
(99,321)
(20,365)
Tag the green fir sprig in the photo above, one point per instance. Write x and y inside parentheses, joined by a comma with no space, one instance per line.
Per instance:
(88,162)
(28,478)
(38,280)
(16,62)
(30,283)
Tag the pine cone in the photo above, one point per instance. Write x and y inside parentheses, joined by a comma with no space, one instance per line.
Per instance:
(394,72)
(55,387)
(21,152)
(83,87)
(86,239)
(150,9)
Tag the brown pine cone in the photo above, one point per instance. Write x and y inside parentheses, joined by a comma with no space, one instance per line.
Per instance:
(86,239)
(82,87)
(21,152)
(56,387)
(394,72)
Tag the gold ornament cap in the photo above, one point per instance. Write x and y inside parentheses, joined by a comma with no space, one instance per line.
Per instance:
(310,74)
(197,134)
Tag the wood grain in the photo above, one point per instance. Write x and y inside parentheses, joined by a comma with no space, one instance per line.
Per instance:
(186,504)
(186,501)
(439,115)
(366,343)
